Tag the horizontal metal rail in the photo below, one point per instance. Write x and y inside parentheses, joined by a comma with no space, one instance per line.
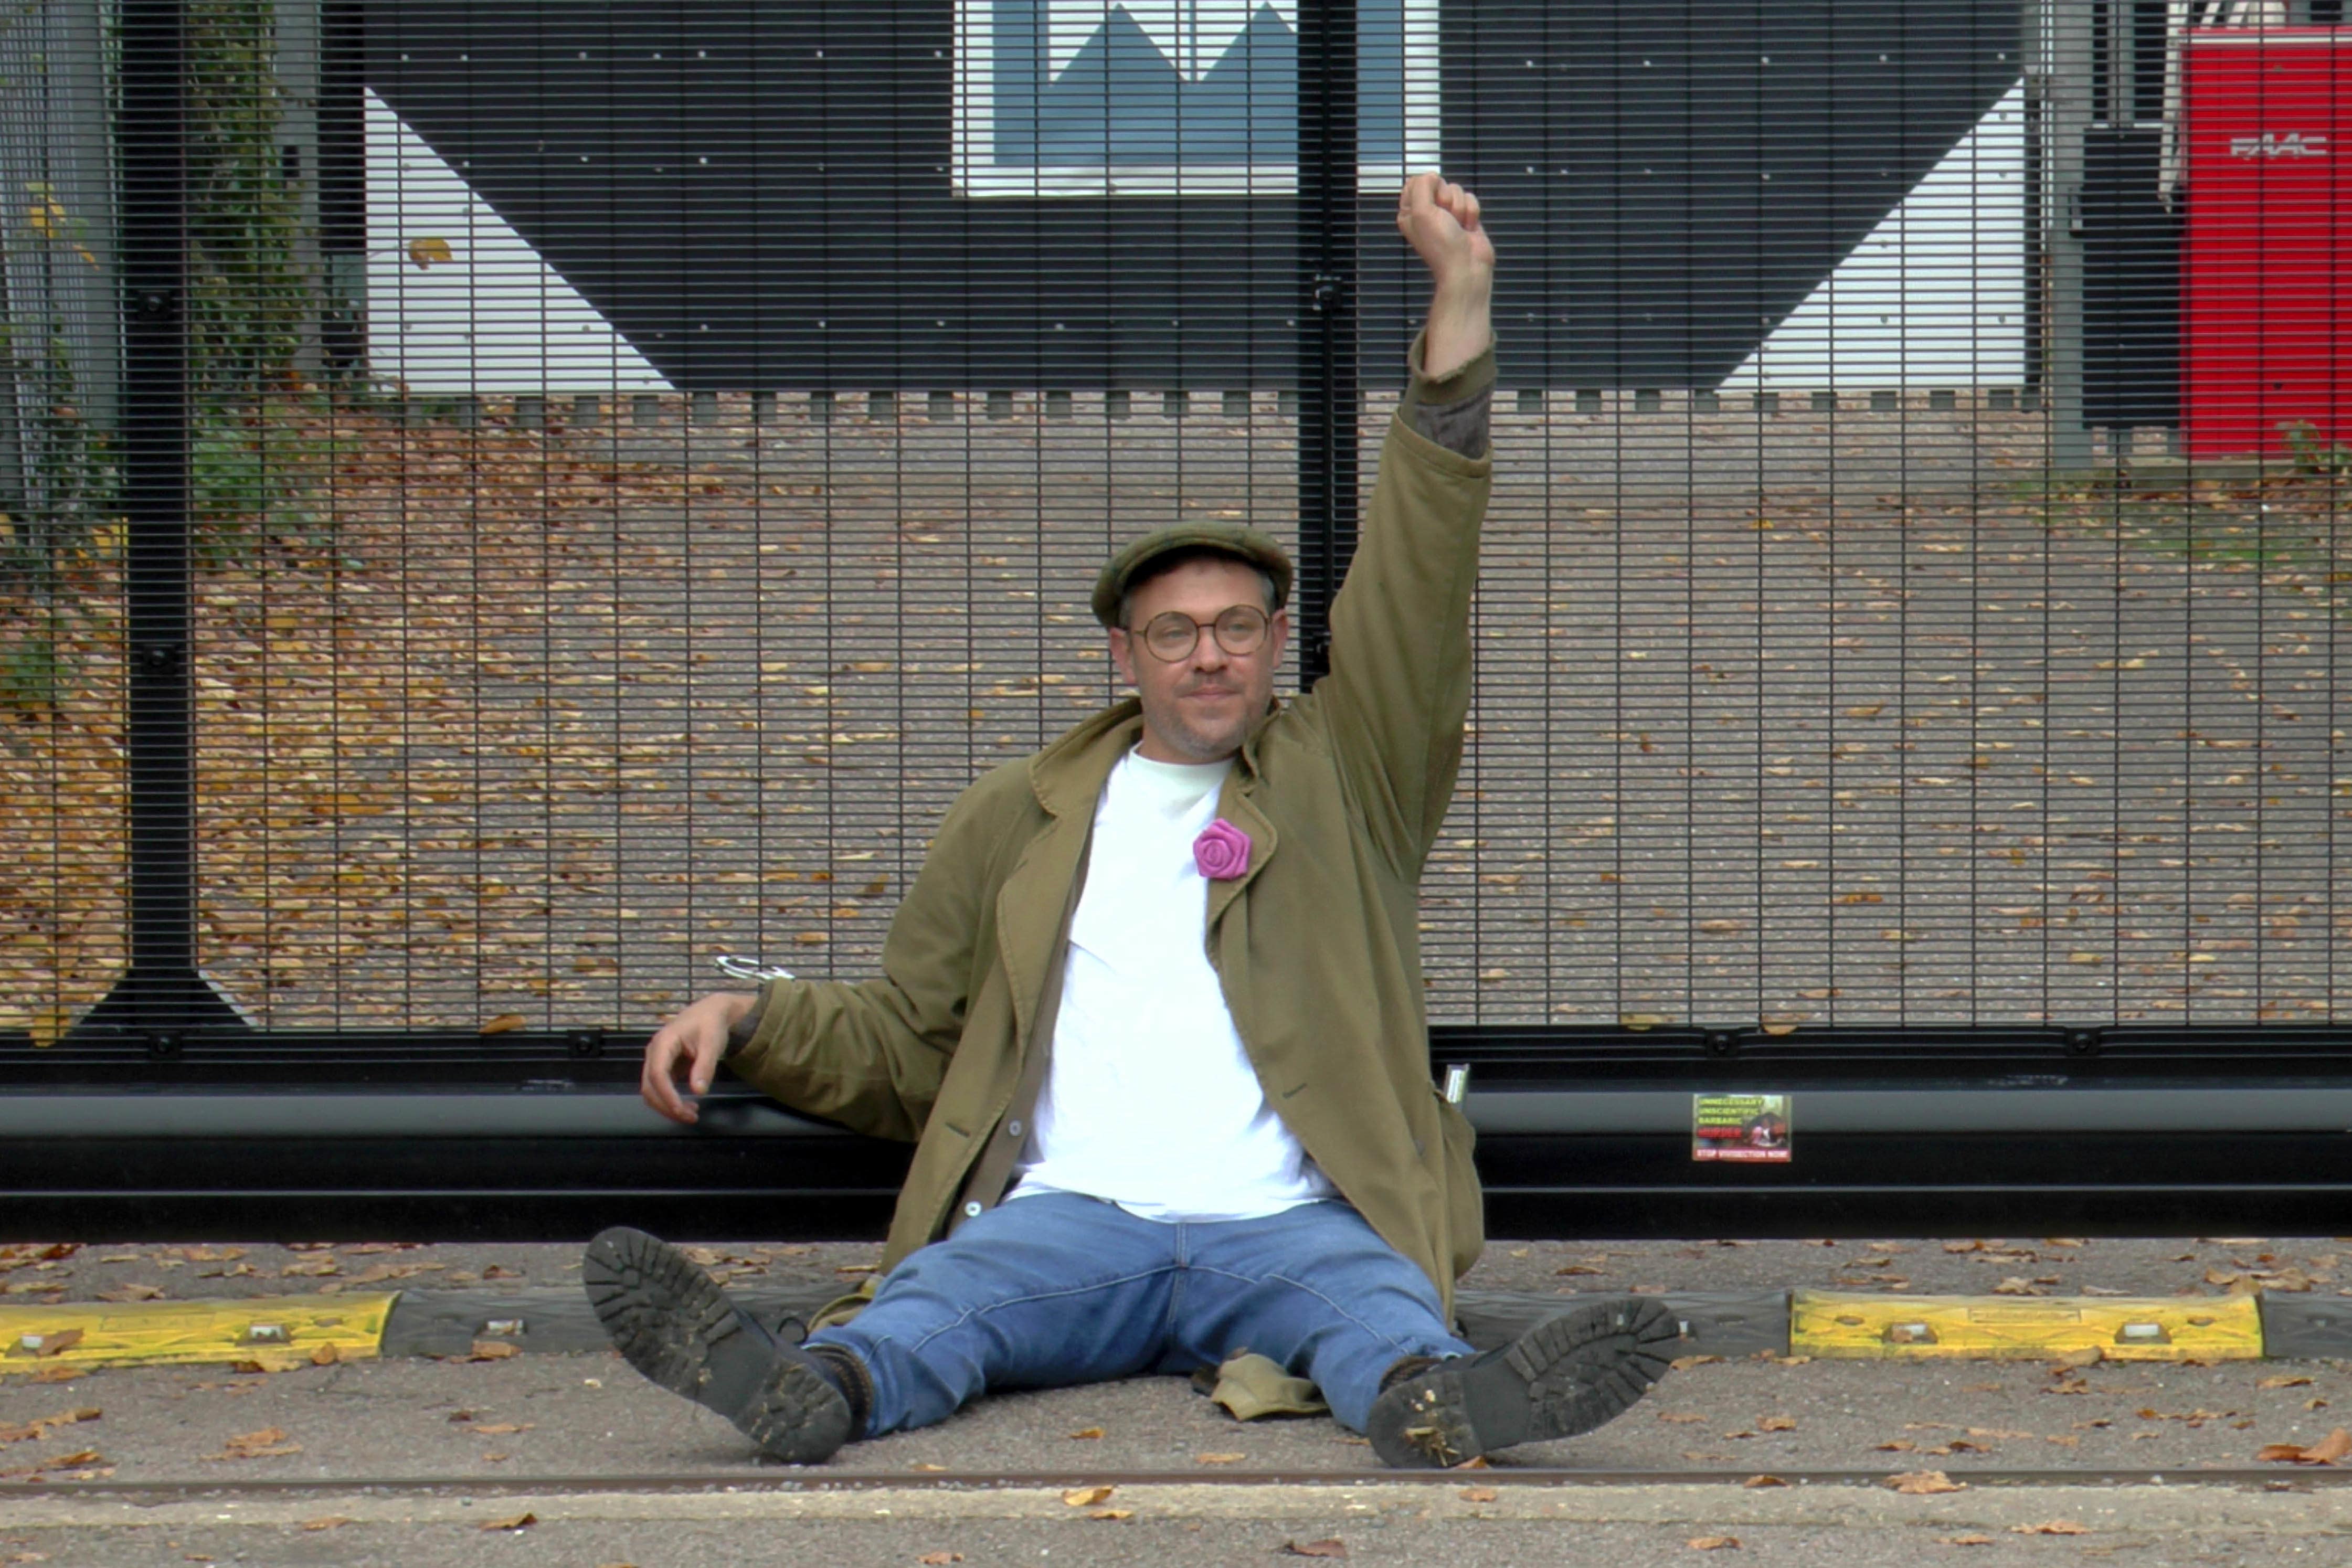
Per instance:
(231,1134)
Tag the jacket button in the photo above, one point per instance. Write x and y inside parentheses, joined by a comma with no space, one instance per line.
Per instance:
(972,1209)
(1012,1128)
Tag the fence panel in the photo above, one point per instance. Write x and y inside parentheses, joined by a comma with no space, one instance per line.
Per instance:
(648,460)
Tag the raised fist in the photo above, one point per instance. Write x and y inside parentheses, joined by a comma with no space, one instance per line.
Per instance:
(1440,221)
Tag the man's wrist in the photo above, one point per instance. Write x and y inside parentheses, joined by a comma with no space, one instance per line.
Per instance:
(746,1022)
(1460,320)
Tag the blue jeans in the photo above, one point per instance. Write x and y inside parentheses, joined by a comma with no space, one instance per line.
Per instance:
(1055,1289)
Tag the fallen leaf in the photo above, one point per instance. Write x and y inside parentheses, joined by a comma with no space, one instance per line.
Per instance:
(52,1344)
(1973,1538)
(2051,1527)
(520,1521)
(1713,1542)
(1087,1432)
(80,1456)
(1753,1482)
(1925,1483)
(1680,1417)
(122,1293)
(269,1443)
(1332,1547)
(492,1350)
(330,1521)
(325,1356)
(503,1023)
(1110,1513)
(1684,1362)
(426,250)
(2326,1451)
(500,1428)
(39,1426)
(1477,1494)
(939,1559)
(2089,1355)
(1087,1497)
(1777,1424)
(1218,1458)
(2289,1381)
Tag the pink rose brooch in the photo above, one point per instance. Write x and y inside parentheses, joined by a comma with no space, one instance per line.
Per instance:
(1222,852)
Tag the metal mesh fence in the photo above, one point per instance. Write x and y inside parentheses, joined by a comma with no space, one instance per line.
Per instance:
(646,462)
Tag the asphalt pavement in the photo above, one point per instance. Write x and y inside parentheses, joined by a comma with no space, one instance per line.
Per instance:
(429,1460)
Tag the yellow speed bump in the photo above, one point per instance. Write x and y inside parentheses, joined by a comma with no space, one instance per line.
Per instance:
(279,1332)
(2122,1328)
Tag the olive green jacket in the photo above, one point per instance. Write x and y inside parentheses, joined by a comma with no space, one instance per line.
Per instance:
(1341,791)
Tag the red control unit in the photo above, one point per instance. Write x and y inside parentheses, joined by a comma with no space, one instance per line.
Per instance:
(2267,256)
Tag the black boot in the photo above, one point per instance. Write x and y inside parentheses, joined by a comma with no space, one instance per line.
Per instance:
(672,1322)
(1565,1375)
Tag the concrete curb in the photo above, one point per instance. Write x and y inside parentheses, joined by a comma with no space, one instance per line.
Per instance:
(280,1332)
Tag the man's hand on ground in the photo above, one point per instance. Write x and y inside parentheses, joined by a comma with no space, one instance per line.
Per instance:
(687,1050)
(1440,221)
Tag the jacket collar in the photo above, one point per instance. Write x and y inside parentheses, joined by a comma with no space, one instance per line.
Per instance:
(1068,775)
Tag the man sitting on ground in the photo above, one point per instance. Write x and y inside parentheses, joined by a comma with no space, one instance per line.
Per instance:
(1153,1015)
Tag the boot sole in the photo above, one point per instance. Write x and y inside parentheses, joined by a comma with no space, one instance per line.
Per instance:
(1565,1376)
(672,1322)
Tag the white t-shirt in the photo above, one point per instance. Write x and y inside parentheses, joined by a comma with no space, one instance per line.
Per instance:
(1149,1100)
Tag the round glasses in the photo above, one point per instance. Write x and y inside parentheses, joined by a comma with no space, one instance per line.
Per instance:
(1239,629)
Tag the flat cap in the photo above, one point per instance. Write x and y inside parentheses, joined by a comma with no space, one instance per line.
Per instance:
(1243,543)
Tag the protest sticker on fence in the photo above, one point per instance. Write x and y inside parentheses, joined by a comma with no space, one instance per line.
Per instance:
(1751,1127)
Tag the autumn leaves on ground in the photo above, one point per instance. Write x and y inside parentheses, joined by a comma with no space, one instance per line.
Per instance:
(524,722)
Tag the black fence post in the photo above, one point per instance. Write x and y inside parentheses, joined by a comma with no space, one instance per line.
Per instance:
(1329,394)
(161,992)
(343,185)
